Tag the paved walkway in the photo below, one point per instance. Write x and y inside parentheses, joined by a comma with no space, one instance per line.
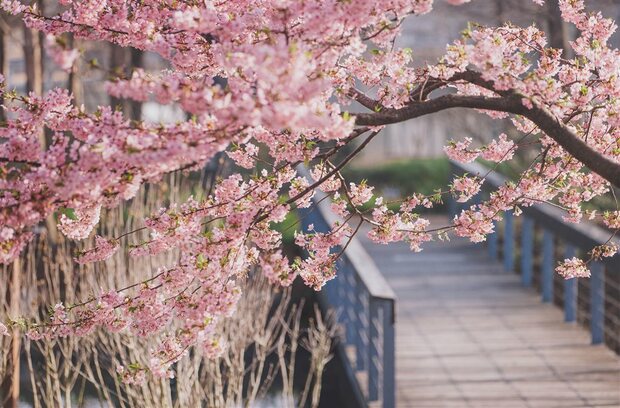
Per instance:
(468,335)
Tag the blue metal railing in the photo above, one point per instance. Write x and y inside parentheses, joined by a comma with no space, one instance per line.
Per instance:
(594,302)
(365,310)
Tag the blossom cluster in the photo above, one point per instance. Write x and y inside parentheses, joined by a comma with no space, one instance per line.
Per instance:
(573,268)
(269,82)
(499,150)
(63,55)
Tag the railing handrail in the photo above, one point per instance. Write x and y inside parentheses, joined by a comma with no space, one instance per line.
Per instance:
(584,234)
(366,268)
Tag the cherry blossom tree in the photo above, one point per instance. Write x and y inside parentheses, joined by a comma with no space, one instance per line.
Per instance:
(291,72)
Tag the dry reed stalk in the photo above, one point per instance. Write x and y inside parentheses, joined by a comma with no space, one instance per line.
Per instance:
(262,337)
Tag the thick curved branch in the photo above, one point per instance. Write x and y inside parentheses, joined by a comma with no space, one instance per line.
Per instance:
(542,117)
(565,137)
(389,116)
(476,79)
(422,91)
(365,100)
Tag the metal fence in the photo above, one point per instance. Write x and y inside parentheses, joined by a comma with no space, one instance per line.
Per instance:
(364,303)
(531,245)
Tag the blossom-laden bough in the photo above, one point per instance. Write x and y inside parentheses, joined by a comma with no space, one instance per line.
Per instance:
(291,70)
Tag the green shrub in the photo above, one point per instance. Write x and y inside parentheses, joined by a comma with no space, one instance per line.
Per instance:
(288,227)
(404,177)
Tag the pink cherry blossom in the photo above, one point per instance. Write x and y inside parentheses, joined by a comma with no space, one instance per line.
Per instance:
(360,193)
(131,375)
(104,249)
(245,156)
(62,56)
(466,187)
(499,150)
(573,268)
(81,227)
(474,225)
(333,183)
(461,151)
(272,86)
(612,219)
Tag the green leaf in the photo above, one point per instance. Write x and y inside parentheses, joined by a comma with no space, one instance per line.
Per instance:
(69,213)
(201,262)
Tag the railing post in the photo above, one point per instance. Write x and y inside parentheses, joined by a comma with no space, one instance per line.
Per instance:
(361,350)
(597,302)
(527,251)
(570,291)
(509,242)
(389,371)
(547,266)
(374,350)
(492,239)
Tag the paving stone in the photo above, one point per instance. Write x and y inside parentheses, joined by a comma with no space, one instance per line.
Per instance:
(484,390)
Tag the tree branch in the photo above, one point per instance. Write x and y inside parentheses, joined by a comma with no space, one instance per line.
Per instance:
(389,116)
(365,100)
(510,103)
(565,137)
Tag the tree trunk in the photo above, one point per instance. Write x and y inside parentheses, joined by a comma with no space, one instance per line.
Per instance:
(123,61)
(73,83)
(135,107)
(557,30)
(117,64)
(33,58)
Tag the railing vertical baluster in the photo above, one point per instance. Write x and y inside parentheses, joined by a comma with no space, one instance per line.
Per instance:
(452,207)
(460,207)
(338,299)
(389,357)
(374,350)
(547,266)
(527,251)
(328,289)
(492,240)
(349,304)
(477,199)
(509,242)
(597,302)
(570,290)
(361,299)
